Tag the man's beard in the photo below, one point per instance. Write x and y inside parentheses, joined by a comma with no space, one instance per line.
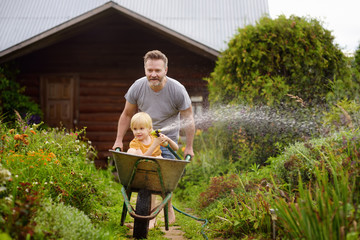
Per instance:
(155,82)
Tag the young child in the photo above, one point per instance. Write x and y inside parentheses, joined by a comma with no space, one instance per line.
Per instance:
(144,143)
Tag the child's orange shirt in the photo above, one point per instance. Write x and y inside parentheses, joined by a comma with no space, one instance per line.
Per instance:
(136,144)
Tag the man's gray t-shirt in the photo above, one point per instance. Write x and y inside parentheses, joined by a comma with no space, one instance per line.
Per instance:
(162,106)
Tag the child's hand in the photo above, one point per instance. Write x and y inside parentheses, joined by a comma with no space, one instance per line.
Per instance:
(164,140)
(158,141)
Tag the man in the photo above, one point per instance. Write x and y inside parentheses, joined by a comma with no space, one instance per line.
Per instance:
(166,101)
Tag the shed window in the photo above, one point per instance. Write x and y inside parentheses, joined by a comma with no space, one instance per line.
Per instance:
(197,105)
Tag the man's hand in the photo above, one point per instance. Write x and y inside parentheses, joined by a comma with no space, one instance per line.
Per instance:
(118,144)
(189,151)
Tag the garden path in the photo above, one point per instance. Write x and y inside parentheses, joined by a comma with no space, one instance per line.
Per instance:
(174,232)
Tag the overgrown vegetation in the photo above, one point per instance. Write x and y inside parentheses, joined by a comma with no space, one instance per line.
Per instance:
(295,165)
(287,70)
(51,190)
(12,98)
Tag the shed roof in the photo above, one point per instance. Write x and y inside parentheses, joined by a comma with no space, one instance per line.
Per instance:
(208,24)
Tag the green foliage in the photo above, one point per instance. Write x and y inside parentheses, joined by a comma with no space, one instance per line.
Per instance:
(18,218)
(347,86)
(54,164)
(357,59)
(12,98)
(219,187)
(315,184)
(242,212)
(58,221)
(326,208)
(300,159)
(286,55)
(344,114)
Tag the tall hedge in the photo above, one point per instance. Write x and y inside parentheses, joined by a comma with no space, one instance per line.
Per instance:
(265,62)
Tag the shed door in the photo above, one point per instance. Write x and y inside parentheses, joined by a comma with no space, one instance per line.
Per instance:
(58,101)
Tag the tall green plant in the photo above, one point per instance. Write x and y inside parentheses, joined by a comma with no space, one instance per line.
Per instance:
(323,210)
(326,204)
(265,62)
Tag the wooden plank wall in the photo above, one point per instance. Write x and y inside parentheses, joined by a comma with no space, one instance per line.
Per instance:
(106,55)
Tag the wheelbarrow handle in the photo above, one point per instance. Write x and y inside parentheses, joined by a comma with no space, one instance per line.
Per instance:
(187,157)
(118,149)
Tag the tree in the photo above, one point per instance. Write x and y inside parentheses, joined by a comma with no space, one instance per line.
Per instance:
(265,62)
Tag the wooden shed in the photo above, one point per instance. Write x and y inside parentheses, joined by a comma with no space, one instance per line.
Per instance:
(80,70)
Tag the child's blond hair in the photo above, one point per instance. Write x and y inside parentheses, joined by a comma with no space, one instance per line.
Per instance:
(142,119)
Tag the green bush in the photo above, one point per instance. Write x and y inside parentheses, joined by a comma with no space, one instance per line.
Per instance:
(302,158)
(12,98)
(57,221)
(286,55)
(53,164)
(344,114)
(357,59)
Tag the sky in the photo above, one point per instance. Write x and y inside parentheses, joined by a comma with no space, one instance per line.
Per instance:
(342,17)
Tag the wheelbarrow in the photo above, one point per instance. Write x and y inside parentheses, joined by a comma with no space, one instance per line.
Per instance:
(146,175)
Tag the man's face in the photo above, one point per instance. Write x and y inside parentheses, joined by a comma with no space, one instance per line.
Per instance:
(155,72)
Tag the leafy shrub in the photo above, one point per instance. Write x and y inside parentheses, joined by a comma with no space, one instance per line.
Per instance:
(53,164)
(343,115)
(301,159)
(219,187)
(57,221)
(242,215)
(357,58)
(12,98)
(286,55)
(17,215)
(53,161)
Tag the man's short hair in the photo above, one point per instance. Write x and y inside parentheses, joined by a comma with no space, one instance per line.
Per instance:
(155,55)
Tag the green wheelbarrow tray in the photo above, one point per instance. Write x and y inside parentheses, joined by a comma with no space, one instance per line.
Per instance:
(146,174)
(157,175)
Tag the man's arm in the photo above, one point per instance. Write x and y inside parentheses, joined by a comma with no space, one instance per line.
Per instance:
(124,124)
(189,127)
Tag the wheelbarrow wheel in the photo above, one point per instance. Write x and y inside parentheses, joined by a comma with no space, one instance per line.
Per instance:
(143,207)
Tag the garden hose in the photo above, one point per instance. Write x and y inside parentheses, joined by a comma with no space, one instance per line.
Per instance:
(196,218)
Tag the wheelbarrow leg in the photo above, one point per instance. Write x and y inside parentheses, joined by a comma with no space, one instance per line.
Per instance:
(124,211)
(166,215)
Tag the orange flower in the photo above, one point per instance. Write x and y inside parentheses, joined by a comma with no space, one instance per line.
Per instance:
(33,132)
(18,137)
(11,131)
